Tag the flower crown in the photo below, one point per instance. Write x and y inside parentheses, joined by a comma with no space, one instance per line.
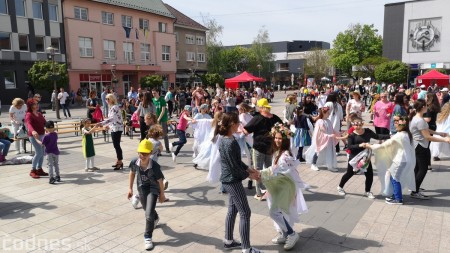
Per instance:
(283,130)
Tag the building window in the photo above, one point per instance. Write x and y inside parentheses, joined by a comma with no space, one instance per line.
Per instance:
(3,7)
(5,41)
(55,44)
(53,12)
(10,79)
(201,57)
(81,13)
(37,10)
(165,53)
(107,18)
(162,27)
(20,8)
(85,45)
(145,52)
(143,24)
(40,45)
(177,55)
(127,21)
(190,39)
(128,51)
(200,40)
(109,49)
(190,56)
(23,42)
(283,67)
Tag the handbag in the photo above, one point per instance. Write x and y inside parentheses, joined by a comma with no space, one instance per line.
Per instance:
(97,115)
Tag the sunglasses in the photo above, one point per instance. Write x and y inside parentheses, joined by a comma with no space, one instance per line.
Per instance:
(357,123)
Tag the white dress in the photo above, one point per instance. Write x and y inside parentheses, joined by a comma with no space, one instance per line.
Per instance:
(322,144)
(205,133)
(441,149)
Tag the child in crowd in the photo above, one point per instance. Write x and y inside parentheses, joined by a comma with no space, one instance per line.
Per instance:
(50,143)
(302,137)
(203,114)
(233,172)
(322,150)
(87,144)
(356,143)
(150,186)
(181,131)
(395,160)
(283,183)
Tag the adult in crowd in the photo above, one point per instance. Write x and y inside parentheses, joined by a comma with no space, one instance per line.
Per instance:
(399,110)
(104,103)
(443,125)
(132,93)
(309,107)
(382,111)
(422,135)
(230,100)
(54,100)
(64,101)
(219,90)
(91,104)
(445,97)
(5,143)
(17,113)
(79,97)
(181,99)
(146,107)
(35,125)
(261,125)
(197,95)
(423,92)
(336,115)
(38,98)
(161,115)
(115,123)
(433,108)
(355,105)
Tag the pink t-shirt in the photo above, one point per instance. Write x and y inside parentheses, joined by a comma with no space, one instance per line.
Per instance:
(183,124)
(381,112)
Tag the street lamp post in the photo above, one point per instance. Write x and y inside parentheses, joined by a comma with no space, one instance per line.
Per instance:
(52,50)
(259,69)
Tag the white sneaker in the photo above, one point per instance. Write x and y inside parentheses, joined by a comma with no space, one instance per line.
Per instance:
(341,191)
(314,167)
(279,239)
(333,169)
(135,201)
(156,223)
(148,244)
(291,241)
(369,195)
(174,157)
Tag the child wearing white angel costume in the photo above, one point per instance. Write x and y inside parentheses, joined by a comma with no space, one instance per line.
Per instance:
(283,183)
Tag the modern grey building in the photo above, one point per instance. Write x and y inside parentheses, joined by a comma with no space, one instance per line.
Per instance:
(27,28)
(418,33)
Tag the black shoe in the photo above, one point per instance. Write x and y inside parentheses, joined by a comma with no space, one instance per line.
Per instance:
(195,166)
(436,158)
(52,180)
(250,184)
(232,245)
(58,179)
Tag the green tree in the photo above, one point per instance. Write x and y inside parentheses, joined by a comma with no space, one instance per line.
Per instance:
(391,72)
(317,64)
(260,53)
(151,81)
(368,65)
(41,75)
(355,44)
(214,46)
(212,79)
(235,59)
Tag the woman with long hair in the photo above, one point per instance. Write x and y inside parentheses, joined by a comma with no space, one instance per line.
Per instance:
(336,115)
(434,107)
(422,135)
(439,149)
(355,105)
(145,108)
(399,110)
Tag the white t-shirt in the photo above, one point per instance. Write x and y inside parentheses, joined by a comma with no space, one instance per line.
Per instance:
(259,91)
(19,114)
(62,96)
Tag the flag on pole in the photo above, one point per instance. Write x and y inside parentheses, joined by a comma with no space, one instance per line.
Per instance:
(127,32)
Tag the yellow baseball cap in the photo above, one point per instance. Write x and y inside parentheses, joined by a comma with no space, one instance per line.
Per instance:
(263,103)
(145,146)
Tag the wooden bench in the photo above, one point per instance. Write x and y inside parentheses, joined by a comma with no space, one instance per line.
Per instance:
(68,127)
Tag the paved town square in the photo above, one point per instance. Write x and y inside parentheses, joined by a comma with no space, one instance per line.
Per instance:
(89,211)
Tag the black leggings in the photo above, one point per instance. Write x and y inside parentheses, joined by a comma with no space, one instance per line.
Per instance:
(148,201)
(381,130)
(116,136)
(423,157)
(143,128)
(349,174)
(170,108)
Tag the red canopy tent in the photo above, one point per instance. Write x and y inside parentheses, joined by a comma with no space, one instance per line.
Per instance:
(244,77)
(432,77)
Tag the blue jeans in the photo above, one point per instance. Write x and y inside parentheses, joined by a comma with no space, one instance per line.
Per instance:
(66,107)
(38,157)
(181,142)
(4,146)
(397,189)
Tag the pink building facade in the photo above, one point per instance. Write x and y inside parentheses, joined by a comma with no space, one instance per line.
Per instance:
(114,46)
